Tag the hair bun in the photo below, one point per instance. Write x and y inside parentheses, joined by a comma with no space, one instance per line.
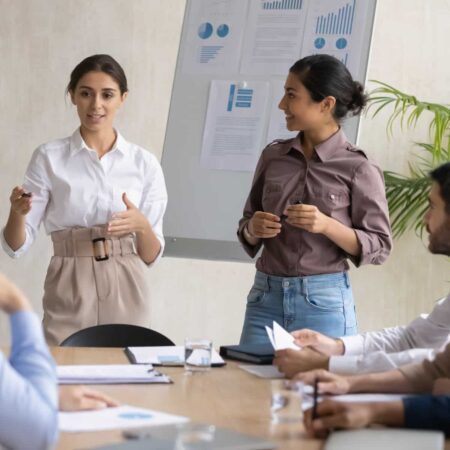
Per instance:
(359,99)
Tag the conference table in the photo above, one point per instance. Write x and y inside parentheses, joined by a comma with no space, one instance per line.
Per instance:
(225,396)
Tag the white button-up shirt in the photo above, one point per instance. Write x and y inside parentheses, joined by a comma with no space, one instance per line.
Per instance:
(72,187)
(387,349)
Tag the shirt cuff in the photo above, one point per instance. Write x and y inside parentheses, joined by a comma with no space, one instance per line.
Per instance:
(353,345)
(159,255)
(251,250)
(343,364)
(25,327)
(9,251)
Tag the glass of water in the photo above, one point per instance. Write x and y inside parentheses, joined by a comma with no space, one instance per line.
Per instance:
(197,355)
(286,404)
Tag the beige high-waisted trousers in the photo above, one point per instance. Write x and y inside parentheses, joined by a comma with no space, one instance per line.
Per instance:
(83,288)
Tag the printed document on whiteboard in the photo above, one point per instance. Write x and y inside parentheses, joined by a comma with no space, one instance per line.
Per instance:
(273,36)
(234,126)
(215,31)
(335,27)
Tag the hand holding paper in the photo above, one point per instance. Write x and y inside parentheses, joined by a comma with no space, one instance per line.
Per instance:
(280,338)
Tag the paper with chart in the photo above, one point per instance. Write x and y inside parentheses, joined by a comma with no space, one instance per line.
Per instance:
(233,131)
(280,338)
(273,36)
(214,36)
(277,121)
(335,27)
(124,416)
(109,374)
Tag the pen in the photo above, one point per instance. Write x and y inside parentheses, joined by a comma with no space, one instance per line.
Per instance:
(314,411)
(26,194)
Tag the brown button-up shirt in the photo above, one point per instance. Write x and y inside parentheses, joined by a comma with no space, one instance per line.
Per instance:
(341,182)
(422,376)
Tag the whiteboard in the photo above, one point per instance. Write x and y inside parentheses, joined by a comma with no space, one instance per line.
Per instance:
(205,205)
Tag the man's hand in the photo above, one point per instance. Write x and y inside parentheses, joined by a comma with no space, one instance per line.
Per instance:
(81,398)
(290,361)
(11,298)
(328,383)
(332,414)
(319,342)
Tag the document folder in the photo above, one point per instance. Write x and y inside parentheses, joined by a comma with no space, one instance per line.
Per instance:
(253,353)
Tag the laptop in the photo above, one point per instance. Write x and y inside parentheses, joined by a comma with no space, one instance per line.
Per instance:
(386,438)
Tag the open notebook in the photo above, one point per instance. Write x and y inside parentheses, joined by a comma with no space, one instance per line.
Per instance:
(165,356)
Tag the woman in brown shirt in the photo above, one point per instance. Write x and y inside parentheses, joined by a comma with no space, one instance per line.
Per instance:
(316,201)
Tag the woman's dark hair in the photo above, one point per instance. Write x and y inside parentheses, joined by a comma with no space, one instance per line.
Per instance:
(99,63)
(442,176)
(325,75)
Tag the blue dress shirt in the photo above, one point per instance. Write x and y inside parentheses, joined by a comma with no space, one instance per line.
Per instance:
(28,388)
(429,412)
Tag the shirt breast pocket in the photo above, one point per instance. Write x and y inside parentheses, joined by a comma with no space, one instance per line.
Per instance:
(335,204)
(271,199)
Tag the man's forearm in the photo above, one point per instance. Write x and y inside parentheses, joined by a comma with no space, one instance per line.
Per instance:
(385,382)
(388,413)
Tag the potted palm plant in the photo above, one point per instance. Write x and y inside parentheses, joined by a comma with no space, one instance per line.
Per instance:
(407,194)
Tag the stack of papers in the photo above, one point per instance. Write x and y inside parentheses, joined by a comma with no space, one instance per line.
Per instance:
(280,338)
(165,356)
(110,374)
(119,417)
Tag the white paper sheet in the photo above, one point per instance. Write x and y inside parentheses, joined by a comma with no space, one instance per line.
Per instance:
(270,372)
(214,36)
(109,374)
(124,416)
(273,37)
(232,137)
(280,338)
(277,121)
(335,27)
(166,356)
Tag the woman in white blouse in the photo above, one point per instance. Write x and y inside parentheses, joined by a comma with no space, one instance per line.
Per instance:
(102,199)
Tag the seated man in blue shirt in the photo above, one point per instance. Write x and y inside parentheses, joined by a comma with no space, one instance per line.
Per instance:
(28,385)
(428,411)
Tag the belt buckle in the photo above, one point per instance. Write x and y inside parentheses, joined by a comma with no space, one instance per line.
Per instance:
(98,247)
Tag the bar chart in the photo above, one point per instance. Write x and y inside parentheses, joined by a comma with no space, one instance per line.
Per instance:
(283,4)
(339,22)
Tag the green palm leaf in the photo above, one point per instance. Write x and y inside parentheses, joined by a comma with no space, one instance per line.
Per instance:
(407,195)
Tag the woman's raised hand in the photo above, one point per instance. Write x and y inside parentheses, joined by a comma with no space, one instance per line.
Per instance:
(20,201)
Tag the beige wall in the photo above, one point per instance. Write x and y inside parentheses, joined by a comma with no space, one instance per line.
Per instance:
(42,40)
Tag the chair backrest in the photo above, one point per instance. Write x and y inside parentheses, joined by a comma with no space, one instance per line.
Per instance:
(116,335)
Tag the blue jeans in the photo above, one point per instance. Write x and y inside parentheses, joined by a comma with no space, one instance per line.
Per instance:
(322,303)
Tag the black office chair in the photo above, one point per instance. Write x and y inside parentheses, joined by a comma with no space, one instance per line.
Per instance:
(116,335)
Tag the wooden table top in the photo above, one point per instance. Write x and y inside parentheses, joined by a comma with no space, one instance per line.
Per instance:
(225,396)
